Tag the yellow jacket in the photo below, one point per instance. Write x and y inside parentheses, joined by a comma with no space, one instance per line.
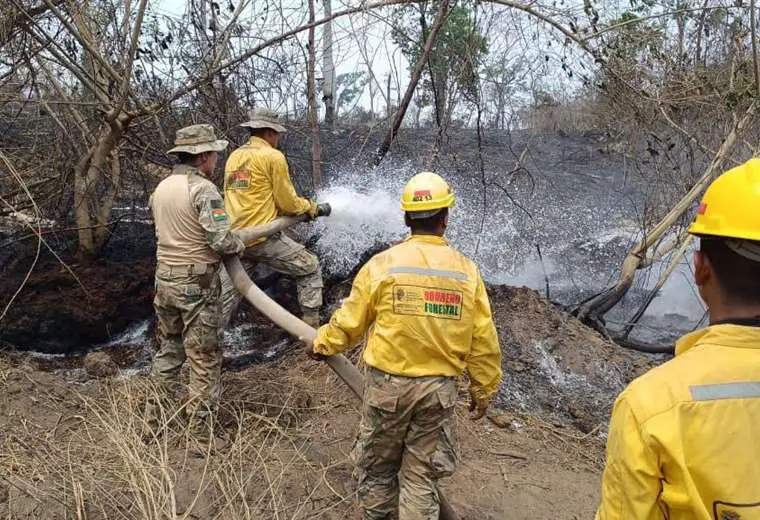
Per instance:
(429,312)
(257,186)
(684,441)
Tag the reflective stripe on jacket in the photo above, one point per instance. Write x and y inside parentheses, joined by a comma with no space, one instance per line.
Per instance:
(429,315)
(684,440)
(258,188)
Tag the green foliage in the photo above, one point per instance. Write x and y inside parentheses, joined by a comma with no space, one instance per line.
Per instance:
(456,56)
(349,87)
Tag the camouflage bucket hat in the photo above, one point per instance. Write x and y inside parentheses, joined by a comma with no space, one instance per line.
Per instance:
(264,118)
(197,139)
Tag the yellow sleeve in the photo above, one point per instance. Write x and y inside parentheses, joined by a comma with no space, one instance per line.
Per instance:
(286,199)
(351,321)
(484,362)
(631,481)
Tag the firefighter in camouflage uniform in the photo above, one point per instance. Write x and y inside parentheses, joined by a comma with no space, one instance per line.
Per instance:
(192,230)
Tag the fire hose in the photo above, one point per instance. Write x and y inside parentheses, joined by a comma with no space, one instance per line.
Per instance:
(345,370)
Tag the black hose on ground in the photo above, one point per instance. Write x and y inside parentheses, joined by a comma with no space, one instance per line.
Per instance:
(649,348)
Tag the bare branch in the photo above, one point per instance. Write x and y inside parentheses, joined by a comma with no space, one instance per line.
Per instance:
(124,88)
(753,30)
(443,12)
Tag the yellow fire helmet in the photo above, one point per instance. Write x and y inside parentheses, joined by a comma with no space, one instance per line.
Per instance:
(426,194)
(730,207)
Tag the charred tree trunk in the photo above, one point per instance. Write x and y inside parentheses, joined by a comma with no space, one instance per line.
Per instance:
(91,209)
(593,311)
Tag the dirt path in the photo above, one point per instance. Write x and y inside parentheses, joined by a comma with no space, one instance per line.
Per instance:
(73,449)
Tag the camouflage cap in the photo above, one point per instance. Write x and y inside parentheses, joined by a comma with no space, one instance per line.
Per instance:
(264,118)
(197,139)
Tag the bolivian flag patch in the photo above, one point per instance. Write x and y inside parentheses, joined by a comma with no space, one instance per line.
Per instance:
(219,215)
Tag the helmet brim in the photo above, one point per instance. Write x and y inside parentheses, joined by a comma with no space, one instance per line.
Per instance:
(420,215)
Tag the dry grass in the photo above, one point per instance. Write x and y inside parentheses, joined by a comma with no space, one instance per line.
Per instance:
(91,462)
(74,451)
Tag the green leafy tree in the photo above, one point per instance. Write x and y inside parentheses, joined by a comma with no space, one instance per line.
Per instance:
(349,87)
(452,69)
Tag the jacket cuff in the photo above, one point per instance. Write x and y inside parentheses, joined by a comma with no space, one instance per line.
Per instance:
(321,346)
(479,393)
(313,209)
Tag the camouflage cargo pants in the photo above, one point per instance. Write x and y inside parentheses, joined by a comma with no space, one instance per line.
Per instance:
(188,310)
(405,443)
(284,255)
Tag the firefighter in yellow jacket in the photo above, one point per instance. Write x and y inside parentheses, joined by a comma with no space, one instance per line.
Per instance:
(257,190)
(684,441)
(428,316)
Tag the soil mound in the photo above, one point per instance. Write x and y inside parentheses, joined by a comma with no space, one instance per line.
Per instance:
(56,313)
(100,364)
(556,366)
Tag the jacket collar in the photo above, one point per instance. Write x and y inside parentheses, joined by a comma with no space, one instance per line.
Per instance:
(187,169)
(258,142)
(724,335)
(427,239)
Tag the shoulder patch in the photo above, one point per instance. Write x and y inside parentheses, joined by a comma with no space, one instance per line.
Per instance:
(217,204)
(238,180)
(219,215)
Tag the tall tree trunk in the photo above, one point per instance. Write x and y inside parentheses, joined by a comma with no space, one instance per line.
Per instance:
(681,24)
(753,25)
(443,12)
(700,31)
(316,148)
(388,105)
(86,245)
(106,206)
(501,102)
(90,209)
(431,68)
(328,67)
(372,94)
(440,91)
